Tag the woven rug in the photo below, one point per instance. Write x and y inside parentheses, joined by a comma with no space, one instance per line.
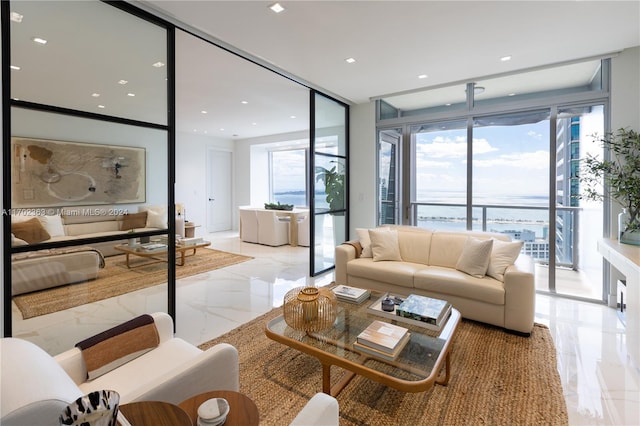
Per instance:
(496,379)
(116,279)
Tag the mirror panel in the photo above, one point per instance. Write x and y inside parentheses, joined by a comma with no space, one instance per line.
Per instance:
(117,67)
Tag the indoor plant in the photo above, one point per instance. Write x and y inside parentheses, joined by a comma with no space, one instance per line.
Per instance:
(621,176)
(334,180)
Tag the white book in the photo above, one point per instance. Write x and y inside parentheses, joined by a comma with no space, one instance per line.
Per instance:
(353,294)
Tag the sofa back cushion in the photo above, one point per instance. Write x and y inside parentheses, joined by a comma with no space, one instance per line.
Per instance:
(446,247)
(415,244)
(91,228)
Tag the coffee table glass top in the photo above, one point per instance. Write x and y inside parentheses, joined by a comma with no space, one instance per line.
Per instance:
(416,361)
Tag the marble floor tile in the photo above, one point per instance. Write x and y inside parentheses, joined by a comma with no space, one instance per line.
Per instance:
(601,383)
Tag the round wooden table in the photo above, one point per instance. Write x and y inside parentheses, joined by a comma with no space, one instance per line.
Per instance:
(154,413)
(242,410)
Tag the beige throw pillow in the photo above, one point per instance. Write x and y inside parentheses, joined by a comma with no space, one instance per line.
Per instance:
(134,220)
(53,225)
(503,254)
(475,257)
(365,242)
(384,244)
(30,231)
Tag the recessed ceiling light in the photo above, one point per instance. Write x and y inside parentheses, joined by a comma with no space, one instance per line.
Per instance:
(350,60)
(244,102)
(423,76)
(122,82)
(203,112)
(159,64)
(447,104)
(254,124)
(506,58)
(95,95)
(14,67)
(39,40)
(195,130)
(512,94)
(131,94)
(16,17)
(292,116)
(276,7)
(100,106)
(221,129)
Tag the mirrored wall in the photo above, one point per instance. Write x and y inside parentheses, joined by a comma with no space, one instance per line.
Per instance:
(90,163)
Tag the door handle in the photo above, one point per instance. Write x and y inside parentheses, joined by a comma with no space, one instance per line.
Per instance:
(212,199)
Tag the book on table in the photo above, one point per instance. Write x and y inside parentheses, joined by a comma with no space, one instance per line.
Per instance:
(383,337)
(425,309)
(351,294)
(389,356)
(152,247)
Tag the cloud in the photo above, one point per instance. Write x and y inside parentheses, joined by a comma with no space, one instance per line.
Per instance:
(534,135)
(537,160)
(442,147)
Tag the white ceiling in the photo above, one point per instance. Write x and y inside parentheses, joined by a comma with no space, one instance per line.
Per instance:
(392,41)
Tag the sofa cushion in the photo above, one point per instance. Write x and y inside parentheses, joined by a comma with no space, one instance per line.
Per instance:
(475,256)
(365,242)
(134,220)
(384,244)
(441,280)
(156,216)
(503,254)
(398,273)
(53,225)
(112,348)
(30,231)
(415,244)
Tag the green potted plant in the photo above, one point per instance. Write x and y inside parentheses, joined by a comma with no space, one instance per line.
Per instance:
(621,177)
(334,182)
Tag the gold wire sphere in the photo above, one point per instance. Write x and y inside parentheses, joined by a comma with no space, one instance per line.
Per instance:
(310,308)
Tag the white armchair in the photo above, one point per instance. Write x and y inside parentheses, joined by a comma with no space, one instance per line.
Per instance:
(304,229)
(37,387)
(321,410)
(248,225)
(272,231)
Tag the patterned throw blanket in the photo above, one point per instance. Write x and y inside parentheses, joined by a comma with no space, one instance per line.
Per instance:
(56,251)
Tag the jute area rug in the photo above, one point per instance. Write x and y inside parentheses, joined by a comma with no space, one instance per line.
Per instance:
(497,379)
(116,279)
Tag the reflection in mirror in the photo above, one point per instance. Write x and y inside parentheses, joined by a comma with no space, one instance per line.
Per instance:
(116,67)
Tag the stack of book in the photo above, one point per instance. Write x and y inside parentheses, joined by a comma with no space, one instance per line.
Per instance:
(152,247)
(424,309)
(382,340)
(351,294)
(189,241)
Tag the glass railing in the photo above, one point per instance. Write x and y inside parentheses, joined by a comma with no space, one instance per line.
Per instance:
(526,223)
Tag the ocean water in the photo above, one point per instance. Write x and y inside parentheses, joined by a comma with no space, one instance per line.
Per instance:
(499,219)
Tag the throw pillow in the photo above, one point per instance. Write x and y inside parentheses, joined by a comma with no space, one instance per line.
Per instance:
(53,225)
(503,255)
(384,244)
(156,220)
(17,242)
(31,231)
(365,242)
(134,220)
(475,257)
(112,348)
(156,216)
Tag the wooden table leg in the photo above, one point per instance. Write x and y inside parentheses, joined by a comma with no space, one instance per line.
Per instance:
(127,261)
(326,379)
(447,365)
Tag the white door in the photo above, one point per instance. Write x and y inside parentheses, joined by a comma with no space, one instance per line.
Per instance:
(218,191)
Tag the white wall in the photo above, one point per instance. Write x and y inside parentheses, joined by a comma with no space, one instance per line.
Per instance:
(362,167)
(191,174)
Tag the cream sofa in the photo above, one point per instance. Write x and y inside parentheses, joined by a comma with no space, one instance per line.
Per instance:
(72,223)
(429,263)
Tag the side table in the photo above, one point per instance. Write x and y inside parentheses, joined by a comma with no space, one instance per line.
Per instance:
(242,410)
(154,413)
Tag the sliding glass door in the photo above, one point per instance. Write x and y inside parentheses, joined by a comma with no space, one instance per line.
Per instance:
(389,143)
(329,141)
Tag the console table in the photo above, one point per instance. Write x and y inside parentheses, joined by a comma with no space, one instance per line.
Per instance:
(626,259)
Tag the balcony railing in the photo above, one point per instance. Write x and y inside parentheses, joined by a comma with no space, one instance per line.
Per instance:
(527,223)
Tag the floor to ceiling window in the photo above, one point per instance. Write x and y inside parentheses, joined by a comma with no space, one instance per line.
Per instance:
(507,161)
(288,175)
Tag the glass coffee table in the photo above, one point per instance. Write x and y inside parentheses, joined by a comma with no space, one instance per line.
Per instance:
(417,368)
